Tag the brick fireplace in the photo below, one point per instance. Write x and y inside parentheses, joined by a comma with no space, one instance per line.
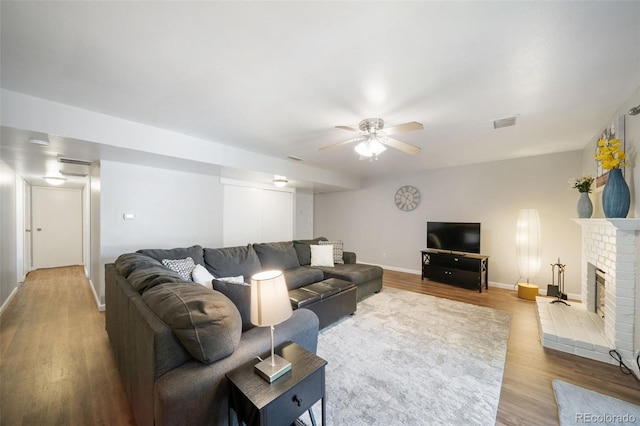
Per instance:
(611,249)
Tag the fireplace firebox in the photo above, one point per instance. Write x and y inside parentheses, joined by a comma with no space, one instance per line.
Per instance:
(600,292)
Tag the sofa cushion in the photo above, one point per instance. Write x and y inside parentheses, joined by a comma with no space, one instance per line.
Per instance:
(356,273)
(194,252)
(303,251)
(338,249)
(206,322)
(144,279)
(182,267)
(129,262)
(232,261)
(240,295)
(280,256)
(302,275)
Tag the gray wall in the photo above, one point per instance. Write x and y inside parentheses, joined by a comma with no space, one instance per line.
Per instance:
(369,223)
(172,208)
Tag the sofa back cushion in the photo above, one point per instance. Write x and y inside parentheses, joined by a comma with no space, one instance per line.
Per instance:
(206,322)
(280,256)
(194,252)
(232,261)
(303,249)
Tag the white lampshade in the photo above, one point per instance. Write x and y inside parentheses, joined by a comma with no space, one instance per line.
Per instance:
(270,303)
(528,243)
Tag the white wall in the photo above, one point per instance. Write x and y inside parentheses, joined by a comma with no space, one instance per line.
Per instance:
(369,223)
(173,209)
(8,231)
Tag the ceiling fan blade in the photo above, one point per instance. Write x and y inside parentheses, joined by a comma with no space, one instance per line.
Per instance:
(402,146)
(350,129)
(401,128)
(341,143)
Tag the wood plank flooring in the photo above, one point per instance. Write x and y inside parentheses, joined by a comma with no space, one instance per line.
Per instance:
(56,365)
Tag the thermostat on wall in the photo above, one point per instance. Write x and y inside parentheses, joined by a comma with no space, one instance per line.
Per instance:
(128,216)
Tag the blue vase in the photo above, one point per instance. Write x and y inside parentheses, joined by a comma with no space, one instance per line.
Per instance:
(616,196)
(585,207)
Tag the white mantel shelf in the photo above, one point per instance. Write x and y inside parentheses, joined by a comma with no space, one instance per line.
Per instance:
(627,224)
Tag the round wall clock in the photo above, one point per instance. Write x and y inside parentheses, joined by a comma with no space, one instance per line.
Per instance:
(407,198)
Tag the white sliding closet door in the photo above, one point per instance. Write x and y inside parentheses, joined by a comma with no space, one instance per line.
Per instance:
(255,215)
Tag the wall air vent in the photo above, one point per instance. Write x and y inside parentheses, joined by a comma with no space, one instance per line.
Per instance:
(291,157)
(504,122)
(63,173)
(66,160)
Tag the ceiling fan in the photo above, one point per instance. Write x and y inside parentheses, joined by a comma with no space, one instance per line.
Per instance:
(374,140)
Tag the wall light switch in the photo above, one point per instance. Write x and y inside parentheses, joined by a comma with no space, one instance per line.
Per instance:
(128,216)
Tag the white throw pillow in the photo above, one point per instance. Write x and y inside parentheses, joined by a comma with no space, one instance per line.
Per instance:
(202,276)
(233,280)
(321,255)
(338,250)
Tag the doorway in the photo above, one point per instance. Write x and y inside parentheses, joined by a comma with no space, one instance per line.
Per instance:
(56,229)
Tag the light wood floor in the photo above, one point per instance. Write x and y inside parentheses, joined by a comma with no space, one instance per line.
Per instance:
(56,365)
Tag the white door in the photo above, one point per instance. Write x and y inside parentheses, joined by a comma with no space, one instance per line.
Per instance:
(56,227)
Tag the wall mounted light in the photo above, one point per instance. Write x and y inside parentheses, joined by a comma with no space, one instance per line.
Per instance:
(54,180)
(280,181)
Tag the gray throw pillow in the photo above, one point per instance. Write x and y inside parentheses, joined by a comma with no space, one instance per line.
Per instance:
(338,249)
(206,322)
(146,278)
(240,295)
(129,262)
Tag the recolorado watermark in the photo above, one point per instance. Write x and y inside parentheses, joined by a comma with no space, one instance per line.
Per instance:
(606,418)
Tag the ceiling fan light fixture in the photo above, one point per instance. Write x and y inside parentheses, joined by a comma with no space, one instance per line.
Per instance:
(55,180)
(370,148)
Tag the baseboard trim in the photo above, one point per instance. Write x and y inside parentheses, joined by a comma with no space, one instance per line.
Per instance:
(9,299)
(101,306)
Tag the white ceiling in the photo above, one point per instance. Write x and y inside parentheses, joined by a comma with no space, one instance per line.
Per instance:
(276,77)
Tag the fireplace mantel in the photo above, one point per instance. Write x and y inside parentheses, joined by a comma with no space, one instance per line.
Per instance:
(628,224)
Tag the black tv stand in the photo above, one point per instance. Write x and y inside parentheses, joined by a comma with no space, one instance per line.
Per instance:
(468,270)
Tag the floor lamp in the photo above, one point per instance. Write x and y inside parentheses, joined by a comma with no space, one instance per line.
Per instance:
(528,251)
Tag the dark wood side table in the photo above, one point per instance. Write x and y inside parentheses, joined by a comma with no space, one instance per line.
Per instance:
(257,402)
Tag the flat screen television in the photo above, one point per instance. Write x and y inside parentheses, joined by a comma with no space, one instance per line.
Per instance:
(454,236)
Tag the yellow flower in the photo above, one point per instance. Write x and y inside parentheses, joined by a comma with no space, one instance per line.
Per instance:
(610,154)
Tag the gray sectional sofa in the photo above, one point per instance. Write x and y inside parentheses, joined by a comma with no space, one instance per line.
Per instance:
(174,340)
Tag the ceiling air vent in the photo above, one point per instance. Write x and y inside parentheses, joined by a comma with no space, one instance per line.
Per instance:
(63,173)
(66,160)
(504,122)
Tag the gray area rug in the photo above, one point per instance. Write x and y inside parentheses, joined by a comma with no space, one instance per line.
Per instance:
(412,359)
(579,406)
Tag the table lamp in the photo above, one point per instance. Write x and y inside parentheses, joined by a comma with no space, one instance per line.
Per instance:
(270,305)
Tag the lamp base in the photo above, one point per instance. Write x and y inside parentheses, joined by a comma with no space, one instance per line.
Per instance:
(272,372)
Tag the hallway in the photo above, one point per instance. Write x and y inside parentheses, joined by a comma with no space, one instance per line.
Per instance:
(56,365)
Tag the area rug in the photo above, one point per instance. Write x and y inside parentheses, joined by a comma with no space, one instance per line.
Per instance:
(411,359)
(579,406)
